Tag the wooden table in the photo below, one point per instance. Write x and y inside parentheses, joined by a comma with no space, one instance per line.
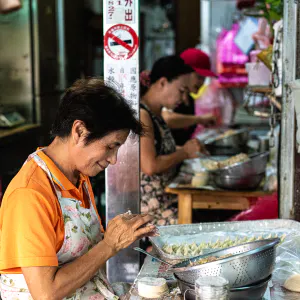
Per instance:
(189,199)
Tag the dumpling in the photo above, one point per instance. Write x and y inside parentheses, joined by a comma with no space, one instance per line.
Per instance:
(175,247)
(236,242)
(186,250)
(217,244)
(293,283)
(168,249)
(244,240)
(179,251)
(268,237)
(194,253)
(251,239)
(193,246)
(283,237)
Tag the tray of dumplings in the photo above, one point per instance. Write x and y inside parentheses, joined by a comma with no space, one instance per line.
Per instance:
(179,242)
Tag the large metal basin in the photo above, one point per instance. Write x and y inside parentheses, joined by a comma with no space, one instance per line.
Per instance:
(251,182)
(255,165)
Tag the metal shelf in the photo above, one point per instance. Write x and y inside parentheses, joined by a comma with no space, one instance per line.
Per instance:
(4,133)
(260,102)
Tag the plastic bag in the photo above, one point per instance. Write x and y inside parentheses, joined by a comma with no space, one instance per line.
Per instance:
(287,264)
(263,35)
(228,51)
(271,181)
(287,260)
(230,59)
(265,57)
(217,101)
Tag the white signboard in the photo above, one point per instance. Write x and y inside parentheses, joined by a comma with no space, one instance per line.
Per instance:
(121,68)
(121,42)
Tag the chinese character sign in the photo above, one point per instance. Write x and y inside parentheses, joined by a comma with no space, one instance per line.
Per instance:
(121,11)
(121,59)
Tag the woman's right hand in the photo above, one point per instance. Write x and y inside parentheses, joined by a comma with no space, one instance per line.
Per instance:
(123,230)
(192,148)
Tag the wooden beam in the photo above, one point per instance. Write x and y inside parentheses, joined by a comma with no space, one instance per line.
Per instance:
(225,203)
(187,30)
(185,209)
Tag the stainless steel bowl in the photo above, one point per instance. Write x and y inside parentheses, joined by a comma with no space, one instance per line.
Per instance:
(251,292)
(255,165)
(235,140)
(237,183)
(249,263)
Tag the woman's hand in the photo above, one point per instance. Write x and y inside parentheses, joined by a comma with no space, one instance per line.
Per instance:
(58,283)
(125,229)
(207,119)
(192,148)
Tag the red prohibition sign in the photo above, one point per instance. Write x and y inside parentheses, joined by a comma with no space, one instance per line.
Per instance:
(120,42)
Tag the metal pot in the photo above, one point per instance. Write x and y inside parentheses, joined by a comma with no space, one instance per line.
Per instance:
(237,183)
(251,292)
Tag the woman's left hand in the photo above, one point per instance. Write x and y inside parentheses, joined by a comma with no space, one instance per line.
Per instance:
(193,147)
(125,229)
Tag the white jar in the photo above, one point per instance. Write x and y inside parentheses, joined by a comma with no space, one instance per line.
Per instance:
(200,179)
(212,288)
(152,288)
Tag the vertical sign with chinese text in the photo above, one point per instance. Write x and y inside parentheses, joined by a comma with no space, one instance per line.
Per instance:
(121,69)
(121,47)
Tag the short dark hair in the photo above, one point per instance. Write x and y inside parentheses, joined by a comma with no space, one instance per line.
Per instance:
(96,103)
(170,67)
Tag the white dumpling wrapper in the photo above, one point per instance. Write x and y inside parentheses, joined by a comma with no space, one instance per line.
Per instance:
(293,283)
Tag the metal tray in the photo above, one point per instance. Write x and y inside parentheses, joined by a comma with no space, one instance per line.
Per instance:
(182,233)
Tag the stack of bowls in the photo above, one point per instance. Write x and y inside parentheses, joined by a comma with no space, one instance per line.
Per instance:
(248,269)
(254,291)
(244,175)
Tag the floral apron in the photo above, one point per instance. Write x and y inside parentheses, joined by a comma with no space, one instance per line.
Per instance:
(82,232)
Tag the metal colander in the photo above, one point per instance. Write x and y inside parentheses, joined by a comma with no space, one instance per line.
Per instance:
(248,264)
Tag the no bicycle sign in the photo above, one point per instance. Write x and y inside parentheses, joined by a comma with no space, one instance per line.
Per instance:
(120,42)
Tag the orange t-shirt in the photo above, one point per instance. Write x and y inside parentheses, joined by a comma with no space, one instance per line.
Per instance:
(31,222)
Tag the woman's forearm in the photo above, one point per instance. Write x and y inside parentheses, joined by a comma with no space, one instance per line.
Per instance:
(165,162)
(58,283)
(76,274)
(177,121)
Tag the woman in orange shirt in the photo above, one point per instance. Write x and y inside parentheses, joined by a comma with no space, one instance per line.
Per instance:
(51,241)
